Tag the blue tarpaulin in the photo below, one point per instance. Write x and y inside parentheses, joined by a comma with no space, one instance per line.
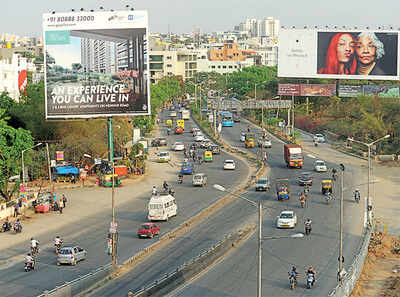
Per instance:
(67,170)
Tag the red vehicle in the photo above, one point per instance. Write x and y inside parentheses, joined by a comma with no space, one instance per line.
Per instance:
(42,206)
(178,130)
(148,230)
(293,155)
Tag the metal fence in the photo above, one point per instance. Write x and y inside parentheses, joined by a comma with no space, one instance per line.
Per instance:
(355,269)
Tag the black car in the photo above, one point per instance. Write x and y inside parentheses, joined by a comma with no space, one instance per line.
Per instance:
(305,179)
(215,149)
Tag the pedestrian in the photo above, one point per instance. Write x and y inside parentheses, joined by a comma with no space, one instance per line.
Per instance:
(61,206)
(16,207)
(64,199)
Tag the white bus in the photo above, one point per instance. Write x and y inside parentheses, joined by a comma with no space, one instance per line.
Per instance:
(185,114)
(162,207)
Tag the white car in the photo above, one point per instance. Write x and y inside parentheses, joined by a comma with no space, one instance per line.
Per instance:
(319,137)
(172,114)
(163,157)
(199,137)
(267,142)
(287,219)
(178,146)
(320,166)
(243,137)
(229,165)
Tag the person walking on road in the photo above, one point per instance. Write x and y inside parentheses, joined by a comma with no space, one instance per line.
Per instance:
(61,206)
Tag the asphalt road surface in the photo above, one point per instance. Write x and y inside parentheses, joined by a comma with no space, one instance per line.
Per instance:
(90,231)
(236,275)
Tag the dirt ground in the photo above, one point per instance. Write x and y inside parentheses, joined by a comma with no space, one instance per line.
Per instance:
(381,273)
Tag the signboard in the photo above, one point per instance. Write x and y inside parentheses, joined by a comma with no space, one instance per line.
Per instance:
(60,155)
(96,64)
(113,227)
(252,104)
(83,174)
(381,91)
(327,90)
(350,90)
(344,54)
(288,89)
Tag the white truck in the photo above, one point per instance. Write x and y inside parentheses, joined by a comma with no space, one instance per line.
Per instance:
(185,114)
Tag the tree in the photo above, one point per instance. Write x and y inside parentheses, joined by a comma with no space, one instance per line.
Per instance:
(12,143)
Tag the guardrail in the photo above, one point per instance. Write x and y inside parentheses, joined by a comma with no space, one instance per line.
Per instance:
(354,271)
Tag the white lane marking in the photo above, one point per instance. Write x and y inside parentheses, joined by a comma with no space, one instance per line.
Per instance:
(365,213)
(311,156)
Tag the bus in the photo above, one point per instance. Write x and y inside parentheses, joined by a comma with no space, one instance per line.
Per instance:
(227,119)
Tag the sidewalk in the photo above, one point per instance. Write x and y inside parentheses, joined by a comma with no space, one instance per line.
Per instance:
(84,203)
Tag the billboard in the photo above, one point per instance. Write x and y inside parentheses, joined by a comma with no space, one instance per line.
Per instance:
(350,90)
(327,90)
(338,54)
(96,64)
(381,91)
(288,90)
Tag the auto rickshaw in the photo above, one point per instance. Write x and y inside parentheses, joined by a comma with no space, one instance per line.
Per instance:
(249,140)
(106,180)
(282,189)
(169,123)
(42,205)
(208,156)
(326,186)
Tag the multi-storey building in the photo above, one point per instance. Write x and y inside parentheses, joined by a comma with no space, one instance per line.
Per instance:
(98,56)
(226,52)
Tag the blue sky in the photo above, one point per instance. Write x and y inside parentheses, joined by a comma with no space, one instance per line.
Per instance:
(210,15)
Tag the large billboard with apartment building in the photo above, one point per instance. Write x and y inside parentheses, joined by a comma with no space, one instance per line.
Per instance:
(339,54)
(96,64)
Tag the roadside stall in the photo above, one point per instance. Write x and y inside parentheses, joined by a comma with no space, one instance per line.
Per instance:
(66,174)
(106,180)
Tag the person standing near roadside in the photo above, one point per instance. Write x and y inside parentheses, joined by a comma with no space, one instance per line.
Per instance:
(64,199)
(61,206)
(16,207)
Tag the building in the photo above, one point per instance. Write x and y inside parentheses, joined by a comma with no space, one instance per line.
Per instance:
(98,56)
(172,62)
(226,52)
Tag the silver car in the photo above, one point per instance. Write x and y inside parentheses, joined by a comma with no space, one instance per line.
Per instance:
(199,179)
(71,255)
(262,184)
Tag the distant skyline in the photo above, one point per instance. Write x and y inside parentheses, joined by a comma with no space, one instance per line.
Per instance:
(210,15)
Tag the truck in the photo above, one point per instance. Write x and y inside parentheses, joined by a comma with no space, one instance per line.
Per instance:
(185,114)
(293,154)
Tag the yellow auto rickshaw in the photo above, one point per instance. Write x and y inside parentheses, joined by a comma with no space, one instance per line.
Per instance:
(208,156)
(326,186)
(106,180)
(169,123)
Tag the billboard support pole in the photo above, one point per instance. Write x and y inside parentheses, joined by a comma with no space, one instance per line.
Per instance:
(292,116)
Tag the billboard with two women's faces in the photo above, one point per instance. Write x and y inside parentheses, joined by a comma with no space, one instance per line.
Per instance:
(339,54)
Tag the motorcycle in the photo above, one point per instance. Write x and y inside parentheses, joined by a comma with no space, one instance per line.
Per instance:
(180,179)
(357,197)
(310,280)
(302,203)
(18,228)
(171,191)
(29,266)
(328,197)
(308,229)
(34,250)
(58,246)
(292,282)
(5,227)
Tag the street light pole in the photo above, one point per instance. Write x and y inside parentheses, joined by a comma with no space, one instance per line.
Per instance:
(341,224)
(369,200)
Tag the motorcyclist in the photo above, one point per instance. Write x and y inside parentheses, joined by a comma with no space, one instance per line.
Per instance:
(312,271)
(29,260)
(58,243)
(180,177)
(169,131)
(307,224)
(265,157)
(6,225)
(293,273)
(154,191)
(165,186)
(357,194)
(248,128)
(334,173)
(18,225)
(34,245)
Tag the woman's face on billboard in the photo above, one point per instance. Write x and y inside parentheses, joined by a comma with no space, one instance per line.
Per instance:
(345,48)
(365,50)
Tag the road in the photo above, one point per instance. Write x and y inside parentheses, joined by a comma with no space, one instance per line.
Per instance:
(236,275)
(89,231)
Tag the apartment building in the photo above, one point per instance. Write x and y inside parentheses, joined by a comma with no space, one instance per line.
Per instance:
(164,63)
(226,52)
(98,56)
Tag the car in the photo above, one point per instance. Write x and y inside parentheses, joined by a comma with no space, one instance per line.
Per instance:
(319,137)
(178,146)
(236,118)
(178,130)
(71,255)
(148,230)
(172,114)
(205,143)
(199,179)
(262,184)
(286,219)
(194,130)
(267,142)
(187,168)
(305,179)
(229,165)
(159,141)
(320,166)
(163,157)
(243,137)
(199,137)
(215,149)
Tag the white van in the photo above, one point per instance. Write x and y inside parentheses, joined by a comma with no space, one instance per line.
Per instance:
(162,207)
